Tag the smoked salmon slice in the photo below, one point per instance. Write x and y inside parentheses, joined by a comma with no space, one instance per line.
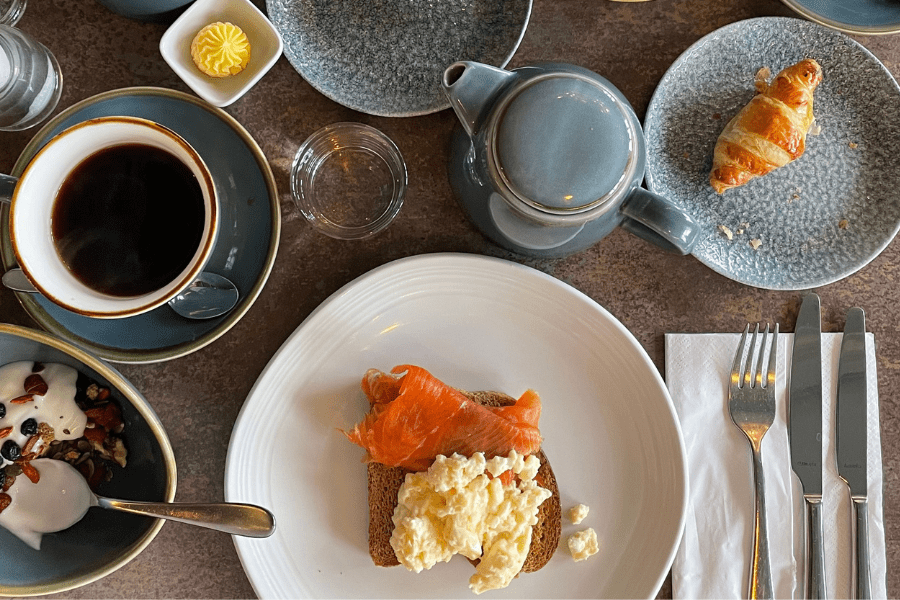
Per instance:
(414,417)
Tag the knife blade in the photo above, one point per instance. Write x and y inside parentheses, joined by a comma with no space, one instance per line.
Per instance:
(805,431)
(851,439)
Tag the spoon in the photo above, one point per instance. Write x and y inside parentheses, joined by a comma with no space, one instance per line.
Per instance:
(62,496)
(229,517)
(209,295)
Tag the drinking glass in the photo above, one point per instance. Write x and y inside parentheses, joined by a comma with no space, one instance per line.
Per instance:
(11,11)
(349,179)
(30,80)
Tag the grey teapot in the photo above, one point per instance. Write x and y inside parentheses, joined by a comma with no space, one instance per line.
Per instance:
(549,158)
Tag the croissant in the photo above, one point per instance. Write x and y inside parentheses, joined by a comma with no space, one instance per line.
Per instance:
(770,131)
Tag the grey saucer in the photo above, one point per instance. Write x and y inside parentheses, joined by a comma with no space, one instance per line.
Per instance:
(245,247)
(867,17)
(386,58)
(818,219)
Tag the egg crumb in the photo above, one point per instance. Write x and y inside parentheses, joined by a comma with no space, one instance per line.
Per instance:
(461,506)
(578,513)
(583,544)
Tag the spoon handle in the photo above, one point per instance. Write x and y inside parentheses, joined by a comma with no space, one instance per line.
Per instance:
(236,519)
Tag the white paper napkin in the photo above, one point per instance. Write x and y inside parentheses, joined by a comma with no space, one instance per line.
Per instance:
(713,559)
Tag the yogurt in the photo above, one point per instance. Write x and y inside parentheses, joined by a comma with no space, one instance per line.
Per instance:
(59,499)
(56,406)
(33,394)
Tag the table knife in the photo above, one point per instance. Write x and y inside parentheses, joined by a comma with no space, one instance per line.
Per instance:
(805,431)
(851,439)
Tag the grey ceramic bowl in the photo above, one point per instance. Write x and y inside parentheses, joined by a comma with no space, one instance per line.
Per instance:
(158,11)
(103,540)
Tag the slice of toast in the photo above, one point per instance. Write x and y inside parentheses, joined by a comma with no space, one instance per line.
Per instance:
(384,488)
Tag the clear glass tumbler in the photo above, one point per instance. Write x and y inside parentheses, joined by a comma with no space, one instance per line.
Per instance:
(30,80)
(11,11)
(349,179)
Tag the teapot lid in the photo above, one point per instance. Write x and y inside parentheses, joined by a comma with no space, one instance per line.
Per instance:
(564,143)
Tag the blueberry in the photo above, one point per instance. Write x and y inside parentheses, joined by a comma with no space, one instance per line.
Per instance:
(2,410)
(2,478)
(29,427)
(10,450)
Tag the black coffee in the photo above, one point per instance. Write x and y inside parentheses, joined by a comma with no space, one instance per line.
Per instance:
(128,219)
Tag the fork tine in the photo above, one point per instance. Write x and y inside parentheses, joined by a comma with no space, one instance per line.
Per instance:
(770,375)
(736,366)
(748,371)
(762,354)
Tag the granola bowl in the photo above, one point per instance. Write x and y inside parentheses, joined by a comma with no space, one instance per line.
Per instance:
(103,540)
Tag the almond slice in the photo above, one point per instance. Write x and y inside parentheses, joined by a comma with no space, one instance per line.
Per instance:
(35,384)
(30,472)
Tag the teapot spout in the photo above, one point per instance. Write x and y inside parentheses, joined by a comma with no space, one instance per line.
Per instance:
(472,89)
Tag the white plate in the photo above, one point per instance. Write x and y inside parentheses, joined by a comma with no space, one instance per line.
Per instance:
(609,426)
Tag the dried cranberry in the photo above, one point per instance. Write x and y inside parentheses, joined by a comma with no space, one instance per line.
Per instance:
(10,450)
(29,427)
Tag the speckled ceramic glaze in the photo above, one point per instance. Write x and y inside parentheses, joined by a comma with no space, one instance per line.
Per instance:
(249,228)
(820,218)
(386,58)
(853,16)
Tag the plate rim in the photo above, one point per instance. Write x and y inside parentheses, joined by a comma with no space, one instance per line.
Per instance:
(154,355)
(360,283)
(815,17)
(669,75)
(296,63)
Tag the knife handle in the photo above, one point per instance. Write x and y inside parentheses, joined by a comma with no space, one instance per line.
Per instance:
(815,549)
(863,581)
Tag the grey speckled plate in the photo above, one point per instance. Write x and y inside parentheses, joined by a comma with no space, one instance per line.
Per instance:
(386,58)
(853,16)
(849,171)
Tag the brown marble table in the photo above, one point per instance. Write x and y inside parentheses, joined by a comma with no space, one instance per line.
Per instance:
(198,396)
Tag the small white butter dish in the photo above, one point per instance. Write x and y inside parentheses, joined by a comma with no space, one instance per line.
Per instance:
(265,48)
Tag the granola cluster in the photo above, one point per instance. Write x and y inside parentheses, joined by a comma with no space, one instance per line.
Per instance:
(93,454)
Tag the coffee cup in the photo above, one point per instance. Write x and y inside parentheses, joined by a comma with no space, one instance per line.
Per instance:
(113,217)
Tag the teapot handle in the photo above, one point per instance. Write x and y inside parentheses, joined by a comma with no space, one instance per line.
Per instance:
(655,219)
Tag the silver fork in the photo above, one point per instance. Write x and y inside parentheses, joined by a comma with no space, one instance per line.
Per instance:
(751,402)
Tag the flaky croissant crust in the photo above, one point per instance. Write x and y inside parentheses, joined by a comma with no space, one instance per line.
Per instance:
(770,131)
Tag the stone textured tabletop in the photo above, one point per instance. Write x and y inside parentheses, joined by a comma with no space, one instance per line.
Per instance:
(198,396)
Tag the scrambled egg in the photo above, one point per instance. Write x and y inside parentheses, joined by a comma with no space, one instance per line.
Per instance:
(456,508)
(578,513)
(583,544)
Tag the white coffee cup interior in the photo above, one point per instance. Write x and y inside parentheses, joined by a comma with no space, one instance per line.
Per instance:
(35,195)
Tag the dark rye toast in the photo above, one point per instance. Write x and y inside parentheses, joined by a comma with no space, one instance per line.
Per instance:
(384,487)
